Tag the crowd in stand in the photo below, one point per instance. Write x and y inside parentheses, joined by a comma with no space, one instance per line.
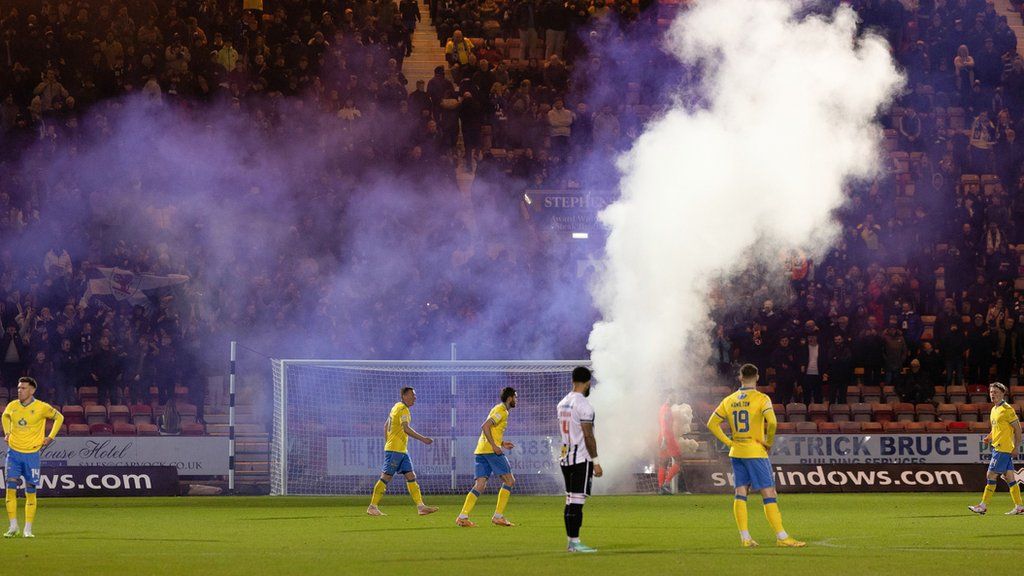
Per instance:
(523,77)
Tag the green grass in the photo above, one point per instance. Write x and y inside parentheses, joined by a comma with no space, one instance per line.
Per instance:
(846,534)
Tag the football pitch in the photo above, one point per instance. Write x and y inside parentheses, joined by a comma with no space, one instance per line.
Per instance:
(846,534)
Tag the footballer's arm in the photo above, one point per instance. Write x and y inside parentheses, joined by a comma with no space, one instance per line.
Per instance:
(591,443)
(1016,432)
(715,426)
(408,430)
(770,425)
(486,429)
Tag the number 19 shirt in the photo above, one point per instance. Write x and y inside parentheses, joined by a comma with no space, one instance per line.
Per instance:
(746,411)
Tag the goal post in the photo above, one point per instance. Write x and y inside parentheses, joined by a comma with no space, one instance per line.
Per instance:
(329,416)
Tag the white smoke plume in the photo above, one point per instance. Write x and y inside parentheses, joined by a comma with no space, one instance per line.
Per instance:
(789,118)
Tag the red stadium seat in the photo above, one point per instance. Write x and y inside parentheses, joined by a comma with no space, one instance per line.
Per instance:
(958,426)
(977,394)
(947,412)
(871,427)
(940,394)
(78,430)
(853,393)
(817,413)
(147,430)
(850,427)
(957,394)
(806,428)
(100,429)
(95,414)
(895,427)
(786,428)
(828,427)
(839,412)
(871,394)
(882,412)
(193,429)
(889,394)
(905,412)
(73,414)
(861,412)
(967,412)
(780,412)
(796,412)
(141,414)
(925,412)
(119,413)
(979,427)
(937,427)
(87,395)
(124,429)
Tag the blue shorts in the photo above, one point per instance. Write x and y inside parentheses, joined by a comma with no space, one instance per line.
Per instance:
(396,463)
(753,472)
(487,464)
(1001,462)
(22,465)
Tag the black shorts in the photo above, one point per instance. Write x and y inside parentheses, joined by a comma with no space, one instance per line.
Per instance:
(578,478)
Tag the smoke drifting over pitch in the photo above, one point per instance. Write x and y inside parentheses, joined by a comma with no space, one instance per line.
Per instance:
(789,119)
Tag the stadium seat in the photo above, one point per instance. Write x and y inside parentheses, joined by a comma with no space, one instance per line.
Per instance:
(882,412)
(858,376)
(193,429)
(187,413)
(78,430)
(871,394)
(905,412)
(87,395)
(786,428)
(861,412)
(958,426)
(147,430)
(947,412)
(916,427)
(181,393)
(956,394)
(124,429)
(981,427)
(154,394)
(850,427)
(73,414)
(925,412)
(118,413)
(977,394)
(806,428)
(828,427)
(940,394)
(984,411)
(796,412)
(141,414)
(895,427)
(936,427)
(95,414)
(853,393)
(967,412)
(889,394)
(780,412)
(871,427)
(817,413)
(103,429)
(1018,407)
(839,412)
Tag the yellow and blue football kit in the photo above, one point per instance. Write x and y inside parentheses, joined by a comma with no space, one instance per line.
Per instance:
(396,454)
(488,463)
(1003,417)
(25,427)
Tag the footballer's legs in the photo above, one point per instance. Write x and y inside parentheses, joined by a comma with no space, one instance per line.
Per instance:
(414,491)
(990,488)
(507,482)
(771,511)
(11,500)
(467,507)
(378,492)
(574,521)
(30,509)
(1011,480)
(739,513)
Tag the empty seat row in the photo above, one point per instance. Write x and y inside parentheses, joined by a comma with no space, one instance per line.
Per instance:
(885,412)
(893,427)
(134,414)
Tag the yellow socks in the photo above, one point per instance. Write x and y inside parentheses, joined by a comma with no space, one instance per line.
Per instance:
(12,504)
(1015,493)
(378,492)
(771,511)
(739,511)
(503,495)
(30,508)
(414,491)
(990,489)
(467,507)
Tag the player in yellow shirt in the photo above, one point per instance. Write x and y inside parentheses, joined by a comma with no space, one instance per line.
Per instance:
(24,422)
(397,431)
(752,421)
(1004,437)
(491,459)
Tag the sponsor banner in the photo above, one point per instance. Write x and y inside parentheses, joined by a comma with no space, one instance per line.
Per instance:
(567,210)
(189,455)
(718,478)
(882,449)
(360,456)
(109,481)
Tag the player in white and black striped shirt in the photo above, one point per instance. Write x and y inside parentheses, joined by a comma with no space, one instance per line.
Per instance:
(578,460)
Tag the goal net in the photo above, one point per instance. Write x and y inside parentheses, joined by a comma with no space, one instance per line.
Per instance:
(329,416)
